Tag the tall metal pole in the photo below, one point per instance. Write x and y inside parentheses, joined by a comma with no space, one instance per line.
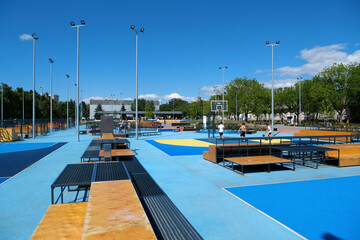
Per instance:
(223,112)
(81,106)
(67,103)
(173,108)
(272,83)
(136,100)
(51,123)
(136,120)
(272,91)
(23,105)
(236,107)
(121,106)
(300,78)
(33,115)
(77,90)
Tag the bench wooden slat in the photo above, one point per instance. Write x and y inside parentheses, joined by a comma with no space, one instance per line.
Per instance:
(62,221)
(257,160)
(119,153)
(115,212)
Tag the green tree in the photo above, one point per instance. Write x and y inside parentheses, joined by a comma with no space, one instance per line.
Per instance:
(123,109)
(148,111)
(335,80)
(97,114)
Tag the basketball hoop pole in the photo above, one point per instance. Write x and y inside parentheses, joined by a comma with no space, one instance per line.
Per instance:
(223,69)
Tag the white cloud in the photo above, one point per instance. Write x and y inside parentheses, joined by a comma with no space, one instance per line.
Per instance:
(281,83)
(176,95)
(87,100)
(357,44)
(25,37)
(150,96)
(210,90)
(318,58)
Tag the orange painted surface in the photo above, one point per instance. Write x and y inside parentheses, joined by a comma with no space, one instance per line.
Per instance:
(114,212)
(61,221)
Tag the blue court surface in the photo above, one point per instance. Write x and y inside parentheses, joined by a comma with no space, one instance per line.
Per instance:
(175,150)
(316,209)
(13,162)
(11,147)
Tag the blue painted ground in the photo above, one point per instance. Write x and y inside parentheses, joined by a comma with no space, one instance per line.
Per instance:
(12,163)
(174,150)
(317,209)
(11,147)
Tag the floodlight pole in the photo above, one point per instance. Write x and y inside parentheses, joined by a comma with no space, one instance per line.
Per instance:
(300,78)
(78,85)
(33,115)
(23,107)
(121,106)
(136,99)
(236,118)
(272,84)
(51,123)
(67,103)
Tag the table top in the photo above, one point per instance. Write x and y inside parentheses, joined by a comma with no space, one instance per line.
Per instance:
(62,221)
(256,160)
(118,152)
(115,205)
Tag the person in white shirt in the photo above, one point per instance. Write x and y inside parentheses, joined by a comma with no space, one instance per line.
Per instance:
(221,129)
(268,129)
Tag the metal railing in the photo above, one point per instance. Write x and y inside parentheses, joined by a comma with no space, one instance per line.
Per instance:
(23,128)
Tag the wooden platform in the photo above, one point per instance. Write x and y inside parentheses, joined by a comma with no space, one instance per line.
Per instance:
(107,136)
(114,212)
(349,154)
(119,153)
(257,160)
(63,221)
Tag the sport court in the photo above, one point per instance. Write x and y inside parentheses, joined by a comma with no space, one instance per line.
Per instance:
(196,186)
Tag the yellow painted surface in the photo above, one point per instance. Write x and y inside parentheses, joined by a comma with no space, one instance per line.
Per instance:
(185,142)
(61,221)
(114,212)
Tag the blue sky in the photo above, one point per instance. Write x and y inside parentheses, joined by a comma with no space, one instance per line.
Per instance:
(183,45)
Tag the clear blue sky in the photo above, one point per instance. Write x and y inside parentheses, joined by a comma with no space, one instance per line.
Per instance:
(183,45)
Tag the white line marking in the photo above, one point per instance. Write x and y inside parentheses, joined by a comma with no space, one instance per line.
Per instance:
(291,181)
(297,234)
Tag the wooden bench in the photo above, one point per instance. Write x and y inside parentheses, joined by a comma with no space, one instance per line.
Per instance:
(115,212)
(349,154)
(325,133)
(118,153)
(257,160)
(216,153)
(63,221)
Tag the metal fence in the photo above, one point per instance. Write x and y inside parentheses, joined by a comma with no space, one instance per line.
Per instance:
(334,128)
(24,127)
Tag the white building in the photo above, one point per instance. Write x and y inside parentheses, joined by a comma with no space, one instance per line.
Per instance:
(111,107)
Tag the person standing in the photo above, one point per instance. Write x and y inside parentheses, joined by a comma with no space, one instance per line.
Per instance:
(268,129)
(242,130)
(221,129)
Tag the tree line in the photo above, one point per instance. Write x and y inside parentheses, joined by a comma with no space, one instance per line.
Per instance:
(13,105)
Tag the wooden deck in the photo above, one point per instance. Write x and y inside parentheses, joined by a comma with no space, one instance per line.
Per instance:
(63,221)
(257,160)
(119,153)
(114,212)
